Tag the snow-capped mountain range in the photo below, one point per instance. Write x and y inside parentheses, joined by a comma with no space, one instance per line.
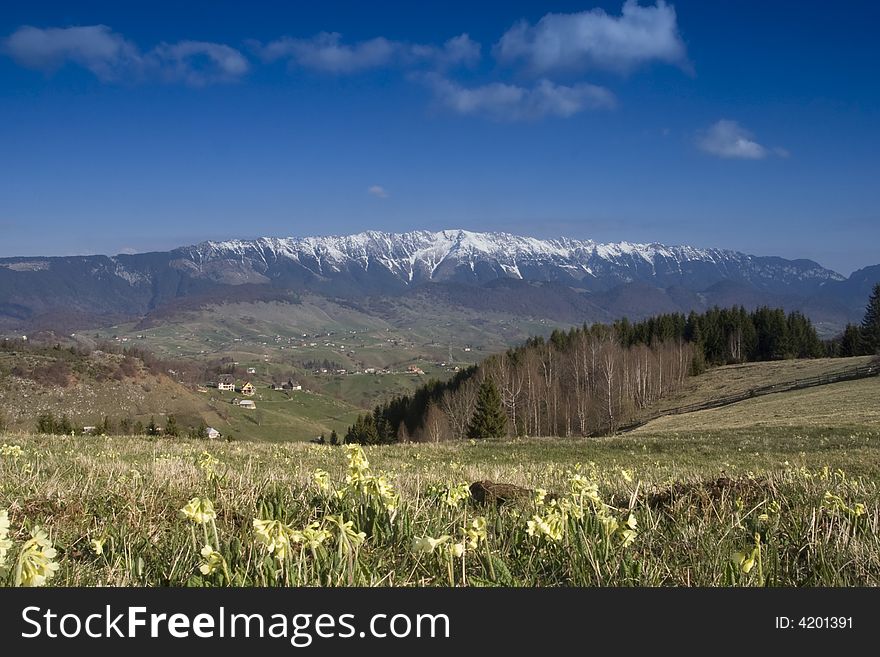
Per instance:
(589,280)
(464,256)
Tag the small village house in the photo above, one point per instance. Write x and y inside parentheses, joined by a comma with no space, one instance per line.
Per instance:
(248,404)
(213,434)
(226,382)
(248,389)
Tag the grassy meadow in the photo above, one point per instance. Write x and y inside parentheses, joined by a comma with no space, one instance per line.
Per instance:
(752,506)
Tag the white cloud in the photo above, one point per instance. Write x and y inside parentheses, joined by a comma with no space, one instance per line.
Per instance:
(111,57)
(507,102)
(96,47)
(457,51)
(728,139)
(326,52)
(595,40)
(378,191)
(198,63)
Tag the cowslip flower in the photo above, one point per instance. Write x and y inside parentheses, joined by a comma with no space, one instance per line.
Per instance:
(35,564)
(628,532)
(13,451)
(476,533)
(275,536)
(207,463)
(426,544)
(744,562)
(313,536)
(348,538)
(199,510)
(456,550)
(455,494)
(357,459)
(551,525)
(98,545)
(213,560)
(5,542)
(540,496)
(322,479)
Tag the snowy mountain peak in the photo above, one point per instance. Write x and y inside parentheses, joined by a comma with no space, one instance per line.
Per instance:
(469,256)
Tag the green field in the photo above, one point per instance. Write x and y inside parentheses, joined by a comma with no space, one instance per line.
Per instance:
(780,490)
(800,507)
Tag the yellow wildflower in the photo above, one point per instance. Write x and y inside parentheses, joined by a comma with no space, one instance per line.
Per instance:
(5,542)
(275,536)
(213,560)
(35,561)
(98,545)
(199,510)
(476,533)
(456,550)
(743,562)
(14,451)
(347,537)
(455,494)
(426,544)
(322,479)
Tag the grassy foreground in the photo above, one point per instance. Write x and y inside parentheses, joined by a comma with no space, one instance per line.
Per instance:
(742,507)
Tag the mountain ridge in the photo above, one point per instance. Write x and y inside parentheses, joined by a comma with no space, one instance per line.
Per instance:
(383,264)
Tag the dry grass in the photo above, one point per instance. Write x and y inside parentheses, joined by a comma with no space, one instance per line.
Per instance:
(735,379)
(845,404)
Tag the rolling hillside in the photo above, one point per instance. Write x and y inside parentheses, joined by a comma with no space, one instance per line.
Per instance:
(854,404)
(88,387)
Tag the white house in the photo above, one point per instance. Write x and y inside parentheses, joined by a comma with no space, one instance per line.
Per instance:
(213,434)
(247,403)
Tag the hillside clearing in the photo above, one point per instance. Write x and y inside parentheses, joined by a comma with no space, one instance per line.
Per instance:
(845,404)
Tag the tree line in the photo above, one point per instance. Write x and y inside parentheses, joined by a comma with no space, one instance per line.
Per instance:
(594,378)
(863,339)
(50,424)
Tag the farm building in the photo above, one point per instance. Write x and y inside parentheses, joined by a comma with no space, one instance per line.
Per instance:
(247,403)
(213,434)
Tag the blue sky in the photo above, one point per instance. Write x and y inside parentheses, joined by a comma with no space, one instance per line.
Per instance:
(144,126)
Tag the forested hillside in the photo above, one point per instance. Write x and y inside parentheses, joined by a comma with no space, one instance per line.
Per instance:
(590,379)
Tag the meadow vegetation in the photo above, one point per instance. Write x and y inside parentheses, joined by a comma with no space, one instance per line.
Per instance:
(747,507)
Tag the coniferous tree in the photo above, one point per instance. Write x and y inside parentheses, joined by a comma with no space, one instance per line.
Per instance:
(871,324)
(489,420)
(363,431)
(152,428)
(171,426)
(850,342)
(334,437)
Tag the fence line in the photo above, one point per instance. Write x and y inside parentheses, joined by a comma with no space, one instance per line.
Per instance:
(849,374)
